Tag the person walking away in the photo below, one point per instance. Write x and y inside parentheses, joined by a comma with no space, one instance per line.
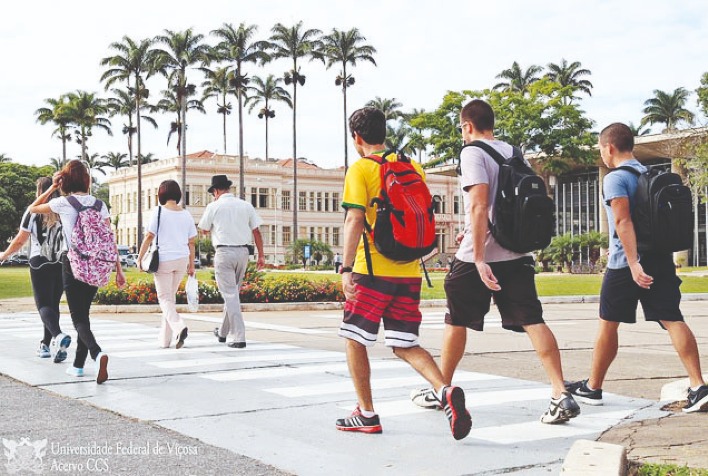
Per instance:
(173,229)
(46,244)
(337,262)
(74,181)
(232,223)
(482,268)
(391,296)
(633,277)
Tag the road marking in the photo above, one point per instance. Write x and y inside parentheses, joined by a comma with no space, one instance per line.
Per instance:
(194,350)
(292,371)
(182,364)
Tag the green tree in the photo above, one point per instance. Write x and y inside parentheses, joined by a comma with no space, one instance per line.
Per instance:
(133,63)
(86,111)
(217,86)
(398,137)
(562,250)
(668,109)
(56,114)
(517,79)
(570,75)
(57,164)
(182,50)
(702,93)
(441,125)
(172,103)
(4,158)
(295,43)
(594,241)
(418,141)
(115,160)
(123,104)
(390,107)
(17,191)
(296,250)
(346,48)
(638,130)
(237,46)
(264,92)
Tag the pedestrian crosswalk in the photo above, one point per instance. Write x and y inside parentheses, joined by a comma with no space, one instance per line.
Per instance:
(152,383)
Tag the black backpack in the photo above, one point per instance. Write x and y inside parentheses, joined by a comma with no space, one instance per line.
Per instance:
(663,211)
(523,215)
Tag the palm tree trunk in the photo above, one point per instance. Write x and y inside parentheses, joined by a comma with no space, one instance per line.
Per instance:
(241,180)
(344,91)
(295,201)
(140,171)
(183,147)
(266,144)
(224,128)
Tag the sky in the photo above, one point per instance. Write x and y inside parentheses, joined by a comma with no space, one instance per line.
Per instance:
(424,49)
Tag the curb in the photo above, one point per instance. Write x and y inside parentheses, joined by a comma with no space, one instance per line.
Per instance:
(594,458)
(676,391)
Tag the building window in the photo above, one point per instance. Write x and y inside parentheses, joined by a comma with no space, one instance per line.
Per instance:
(302,202)
(312,202)
(456,204)
(273,235)
(319,201)
(287,239)
(335,202)
(326,234)
(335,236)
(254,197)
(265,233)
(312,233)
(285,200)
(326,201)
(263,197)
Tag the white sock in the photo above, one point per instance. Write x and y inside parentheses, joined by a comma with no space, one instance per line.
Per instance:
(367,413)
(587,385)
(695,389)
(439,393)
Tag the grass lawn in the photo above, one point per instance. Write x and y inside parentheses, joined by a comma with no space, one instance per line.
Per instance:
(16,282)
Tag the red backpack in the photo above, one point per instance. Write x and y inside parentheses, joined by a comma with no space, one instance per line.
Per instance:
(405,215)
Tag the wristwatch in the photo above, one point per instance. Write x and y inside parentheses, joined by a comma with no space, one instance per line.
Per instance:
(345,269)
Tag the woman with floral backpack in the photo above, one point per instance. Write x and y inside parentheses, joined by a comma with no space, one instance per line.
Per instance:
(74,181)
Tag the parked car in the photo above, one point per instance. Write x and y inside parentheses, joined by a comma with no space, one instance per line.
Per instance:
(131,260)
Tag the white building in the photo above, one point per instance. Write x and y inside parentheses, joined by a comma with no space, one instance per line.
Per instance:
(269,187)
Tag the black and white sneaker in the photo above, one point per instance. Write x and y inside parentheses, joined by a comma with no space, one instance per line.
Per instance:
(561,410)
(453,403)
(358,422)
(698,400)
(583,394)
(425,398)
(61,342)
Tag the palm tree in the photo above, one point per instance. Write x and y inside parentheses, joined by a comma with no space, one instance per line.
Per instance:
(85,112)
(295,43)
(171,102)
(5,159)
(124,104)
(667,108)
(569,75)
(56,114)
(390,107)
(217,86)
(57,163)
(397,138)
(93,163)
(263,93)
(637,130)
(346,47)
(183,50)
(236,46)
(116,160)
(517,80)
(147,158)
(417,140)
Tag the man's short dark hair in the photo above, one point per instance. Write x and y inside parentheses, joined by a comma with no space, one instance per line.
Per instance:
(480,114)
(370,124)
(169,190)
(619,135)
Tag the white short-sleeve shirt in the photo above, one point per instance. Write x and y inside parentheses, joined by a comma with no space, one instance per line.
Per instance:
(230,220)
(176,229)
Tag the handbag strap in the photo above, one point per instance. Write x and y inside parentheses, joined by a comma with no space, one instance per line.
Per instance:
(157,233)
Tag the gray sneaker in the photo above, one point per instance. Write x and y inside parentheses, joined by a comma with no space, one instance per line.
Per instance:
(425,398)
(561,410)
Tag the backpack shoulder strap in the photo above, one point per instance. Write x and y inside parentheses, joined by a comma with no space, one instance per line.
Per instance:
(74,202)
(381,159)
(97,205)
(493,153)
(628,169)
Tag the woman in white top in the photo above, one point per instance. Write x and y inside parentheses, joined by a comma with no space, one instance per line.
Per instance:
(174,236)
(45,272)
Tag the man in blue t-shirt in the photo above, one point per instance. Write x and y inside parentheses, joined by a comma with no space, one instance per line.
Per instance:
(649,278)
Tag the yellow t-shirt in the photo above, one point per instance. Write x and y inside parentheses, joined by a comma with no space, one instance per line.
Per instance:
(361,185)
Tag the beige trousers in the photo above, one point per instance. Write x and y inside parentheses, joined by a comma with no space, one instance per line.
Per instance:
(167,279)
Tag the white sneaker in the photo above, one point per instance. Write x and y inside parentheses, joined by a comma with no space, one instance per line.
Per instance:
(425,398)
(102,367)
(75,372)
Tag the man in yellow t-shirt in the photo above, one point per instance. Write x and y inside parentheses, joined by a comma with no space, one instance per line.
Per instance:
(392,296)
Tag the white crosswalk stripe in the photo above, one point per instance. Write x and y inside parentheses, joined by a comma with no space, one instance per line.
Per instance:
(305,375)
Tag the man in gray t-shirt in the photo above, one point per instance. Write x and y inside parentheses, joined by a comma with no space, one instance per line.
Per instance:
(482,268)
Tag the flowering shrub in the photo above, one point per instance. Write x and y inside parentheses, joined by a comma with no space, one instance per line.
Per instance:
(258,289)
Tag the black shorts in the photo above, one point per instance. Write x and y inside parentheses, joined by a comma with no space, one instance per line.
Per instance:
(620,294)
(468,299)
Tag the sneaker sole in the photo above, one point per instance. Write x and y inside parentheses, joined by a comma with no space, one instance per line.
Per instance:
(461,422)
(60,356)
(700,406)
(588,401)
(564,416)
(44,356)
(362,429)
(65,342)
(102,370)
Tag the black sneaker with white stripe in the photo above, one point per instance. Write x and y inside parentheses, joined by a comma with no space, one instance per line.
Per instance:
(698,400)
(358,422)
(425,398)
(561,410)
(583,394)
